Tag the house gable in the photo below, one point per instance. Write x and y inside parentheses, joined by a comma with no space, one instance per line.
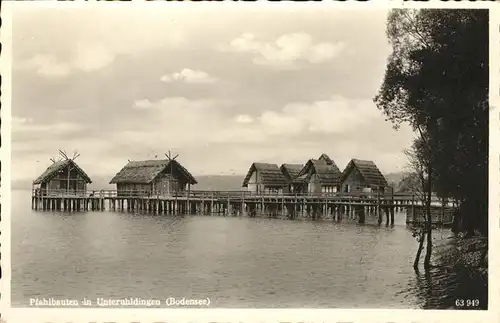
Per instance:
(62,166)
(364,172)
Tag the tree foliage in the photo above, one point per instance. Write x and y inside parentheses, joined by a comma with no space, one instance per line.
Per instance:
(420,164)
(436,80)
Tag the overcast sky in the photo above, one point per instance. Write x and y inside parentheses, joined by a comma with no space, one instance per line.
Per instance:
(221,88)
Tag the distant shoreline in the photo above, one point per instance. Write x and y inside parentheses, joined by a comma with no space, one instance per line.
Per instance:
(205,182)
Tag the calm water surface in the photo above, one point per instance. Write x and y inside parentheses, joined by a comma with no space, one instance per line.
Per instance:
(236,262)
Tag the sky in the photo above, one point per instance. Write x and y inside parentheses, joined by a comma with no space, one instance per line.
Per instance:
(222,88)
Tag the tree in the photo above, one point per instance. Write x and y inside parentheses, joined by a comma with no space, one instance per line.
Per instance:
(416,182)
(407,183)
(436,80)
(420,164)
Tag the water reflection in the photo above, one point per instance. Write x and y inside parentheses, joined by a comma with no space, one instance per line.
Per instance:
(443,286)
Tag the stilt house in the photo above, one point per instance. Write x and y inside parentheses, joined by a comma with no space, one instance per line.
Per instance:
(63,177)
(291,173)
(362,176)
(319,176)
(265,178)
(153,177)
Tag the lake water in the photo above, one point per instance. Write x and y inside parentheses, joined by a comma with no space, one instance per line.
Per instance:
(234,261)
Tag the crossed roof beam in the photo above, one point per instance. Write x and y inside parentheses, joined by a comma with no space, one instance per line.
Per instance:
(64,156)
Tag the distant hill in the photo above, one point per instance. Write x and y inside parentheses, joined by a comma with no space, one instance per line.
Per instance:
(219,182)
(394,177)
(205,182)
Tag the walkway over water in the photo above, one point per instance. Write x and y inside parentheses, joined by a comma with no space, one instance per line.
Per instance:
(313,205)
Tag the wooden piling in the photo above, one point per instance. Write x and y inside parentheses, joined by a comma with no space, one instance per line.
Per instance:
(361,214)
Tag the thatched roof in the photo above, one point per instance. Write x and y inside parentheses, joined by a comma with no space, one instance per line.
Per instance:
(302,178)
(368,170)
(328,174)
(324,157)
(327,159)
(270,174)
(144,172)
(291,172)
(56,167)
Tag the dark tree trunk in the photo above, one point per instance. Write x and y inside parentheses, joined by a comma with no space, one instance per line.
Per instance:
(428,253)
(420,247)
(468,218)
(470,232)
(456,222)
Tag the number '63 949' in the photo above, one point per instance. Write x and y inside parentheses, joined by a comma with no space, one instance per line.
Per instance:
(467,302)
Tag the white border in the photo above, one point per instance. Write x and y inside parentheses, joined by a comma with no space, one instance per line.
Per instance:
(252,315)
(494,167)
(5,157)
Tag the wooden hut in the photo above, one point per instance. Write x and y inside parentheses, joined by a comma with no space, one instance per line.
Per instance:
(265,178)
(153,177)
(63,177)
(319,176)
(362,176)
(291,172)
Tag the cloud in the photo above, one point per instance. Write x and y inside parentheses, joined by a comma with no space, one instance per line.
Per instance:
(91,38)
(89,57)
(286,50)
(336,115)
(243,118)
(210,120)
(16,121)
(173,121)
(21,125)
(92,56)
(47,65)
(189,76)
(196,122)
(142,104)
(179,106)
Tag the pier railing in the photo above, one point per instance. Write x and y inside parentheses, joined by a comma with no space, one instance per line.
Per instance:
(204,194)
(438,215)
(229,202)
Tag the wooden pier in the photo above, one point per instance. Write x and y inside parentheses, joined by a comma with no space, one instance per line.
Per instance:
(439,216)
(238,203)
